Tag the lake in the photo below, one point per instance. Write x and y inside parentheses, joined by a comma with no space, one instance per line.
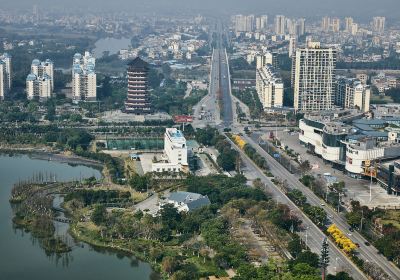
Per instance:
(21,257)
(112,45)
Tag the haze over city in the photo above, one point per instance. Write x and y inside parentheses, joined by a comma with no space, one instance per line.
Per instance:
(356,8)
(200,139)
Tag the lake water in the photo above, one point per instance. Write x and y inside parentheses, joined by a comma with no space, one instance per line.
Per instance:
(112,45)
(21,258)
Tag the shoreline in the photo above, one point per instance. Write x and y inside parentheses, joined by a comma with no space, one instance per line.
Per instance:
(42,154)
(73,232)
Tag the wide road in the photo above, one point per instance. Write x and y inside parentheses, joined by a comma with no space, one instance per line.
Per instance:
(367,253)
(312,235)
(207,112)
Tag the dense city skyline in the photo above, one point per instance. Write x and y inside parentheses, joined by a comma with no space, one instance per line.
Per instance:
(358,8)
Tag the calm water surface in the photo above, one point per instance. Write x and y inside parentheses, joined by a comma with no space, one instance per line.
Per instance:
(111,45)
(21,258)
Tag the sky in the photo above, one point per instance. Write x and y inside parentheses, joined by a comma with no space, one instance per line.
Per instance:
(355,8)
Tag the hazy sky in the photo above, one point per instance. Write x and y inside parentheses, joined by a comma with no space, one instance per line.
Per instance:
(356,8)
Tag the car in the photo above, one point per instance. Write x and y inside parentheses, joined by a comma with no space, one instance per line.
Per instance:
(367,243)
(358,245)
(322,204)
(350,234)
(351,229)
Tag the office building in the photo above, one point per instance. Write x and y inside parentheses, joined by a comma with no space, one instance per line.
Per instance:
(378,24)
(313,77)
(43,68)
(175,157)
(352,94)
(280,25)
(269,87)
(138,99)
(5,75)
(84,80)
(39,88)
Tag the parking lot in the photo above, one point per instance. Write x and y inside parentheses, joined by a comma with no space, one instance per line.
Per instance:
(356,189)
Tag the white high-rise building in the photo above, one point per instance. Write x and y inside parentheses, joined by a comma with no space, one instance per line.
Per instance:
(263,21)
(5,75)
(348,24)
(335,26)
(378,24)
(244,23)
(269,87)
(175,158)
(38,87)
(43,68)
(280,25)
(292,45)
(326,24)
(84,80)
(267,58)
(313,77)
(351,93)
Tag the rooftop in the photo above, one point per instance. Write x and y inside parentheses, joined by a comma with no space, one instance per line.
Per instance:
(138,63)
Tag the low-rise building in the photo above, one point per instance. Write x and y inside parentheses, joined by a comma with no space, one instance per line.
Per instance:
(348,141)
(175,157)
(186,201)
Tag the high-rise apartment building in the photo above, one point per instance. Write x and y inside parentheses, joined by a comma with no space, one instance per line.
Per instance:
(313,77)
(296,26)
(244,23)
(292,45)
(269,87)
(38,87)
(5,75)
(348,22)
(138,100)
(335,27)
(351,93)
(84,79)
(267,58)
(326,24)
(378,24)
(301,26)
(261,22)
(42,68)
(280,25)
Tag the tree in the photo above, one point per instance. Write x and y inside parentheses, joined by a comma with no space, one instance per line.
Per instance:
(99,214)
(295,247)
(339,276)
(305,167)
(169,264)
(324,260)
